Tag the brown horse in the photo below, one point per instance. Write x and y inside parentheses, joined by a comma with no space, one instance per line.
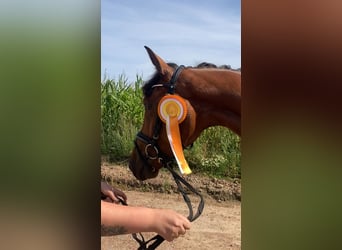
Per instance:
(212,96)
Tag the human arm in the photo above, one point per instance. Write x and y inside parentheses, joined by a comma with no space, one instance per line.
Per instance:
(117,219)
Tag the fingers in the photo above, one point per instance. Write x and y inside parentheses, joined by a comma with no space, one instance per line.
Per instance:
(180,230)
(117,196)
(111,196)
(172,237)
(171,224)
(113,193)
(123,195)
(187,224)
(107,199)
(175,235)
(184,224)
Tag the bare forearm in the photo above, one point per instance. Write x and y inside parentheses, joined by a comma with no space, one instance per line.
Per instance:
(117,219)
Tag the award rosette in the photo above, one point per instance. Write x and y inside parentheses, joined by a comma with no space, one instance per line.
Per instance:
(172,111)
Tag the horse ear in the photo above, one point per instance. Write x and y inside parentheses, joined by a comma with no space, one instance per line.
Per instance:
(159,63)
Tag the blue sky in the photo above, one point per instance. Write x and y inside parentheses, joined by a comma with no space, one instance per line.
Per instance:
(181,31)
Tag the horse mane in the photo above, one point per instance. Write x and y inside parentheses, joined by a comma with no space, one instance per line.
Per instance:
(211,65)
(147,88)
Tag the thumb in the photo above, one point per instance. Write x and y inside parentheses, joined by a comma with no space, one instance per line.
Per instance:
(187,224)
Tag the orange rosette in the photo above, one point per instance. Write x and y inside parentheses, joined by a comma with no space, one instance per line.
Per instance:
(172,111)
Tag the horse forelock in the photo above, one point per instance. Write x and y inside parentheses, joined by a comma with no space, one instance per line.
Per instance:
(155,79)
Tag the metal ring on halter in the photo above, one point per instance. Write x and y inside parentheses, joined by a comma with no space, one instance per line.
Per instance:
(155,149)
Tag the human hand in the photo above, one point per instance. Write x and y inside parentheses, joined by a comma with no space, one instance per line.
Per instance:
(170,224)
(112,194)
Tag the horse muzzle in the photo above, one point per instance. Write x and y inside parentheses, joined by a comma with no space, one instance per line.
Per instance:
(140,169)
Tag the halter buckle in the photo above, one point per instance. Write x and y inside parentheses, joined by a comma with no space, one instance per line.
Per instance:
(154,148)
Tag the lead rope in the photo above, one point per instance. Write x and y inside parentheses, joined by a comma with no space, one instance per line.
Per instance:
(179,181)
(157,240)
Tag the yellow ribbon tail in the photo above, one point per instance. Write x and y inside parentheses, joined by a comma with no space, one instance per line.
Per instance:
(173,134)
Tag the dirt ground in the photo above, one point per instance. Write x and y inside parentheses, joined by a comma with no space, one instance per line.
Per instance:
(219,226)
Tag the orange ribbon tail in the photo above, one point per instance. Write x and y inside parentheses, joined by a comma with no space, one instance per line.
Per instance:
(173,134)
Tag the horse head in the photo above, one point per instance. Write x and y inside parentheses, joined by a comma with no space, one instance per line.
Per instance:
(210,95)
(152,149)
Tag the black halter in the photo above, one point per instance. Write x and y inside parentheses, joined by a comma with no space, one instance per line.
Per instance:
(166,161)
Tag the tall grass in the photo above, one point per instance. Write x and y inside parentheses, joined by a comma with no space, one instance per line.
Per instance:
(121,116)
(216,152)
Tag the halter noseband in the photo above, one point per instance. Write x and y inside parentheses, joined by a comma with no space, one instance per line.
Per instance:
(151,143)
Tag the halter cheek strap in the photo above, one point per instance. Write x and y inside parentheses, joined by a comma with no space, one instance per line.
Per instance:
(174,78)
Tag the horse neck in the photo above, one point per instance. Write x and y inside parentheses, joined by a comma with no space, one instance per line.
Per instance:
(215,96)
